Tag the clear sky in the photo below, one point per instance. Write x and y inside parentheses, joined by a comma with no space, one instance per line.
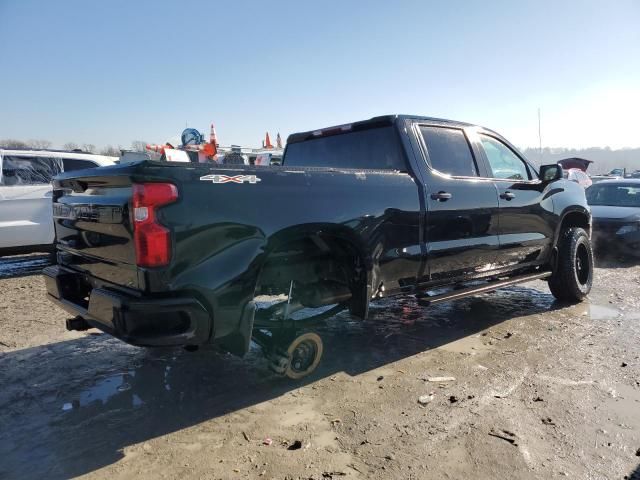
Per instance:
(109,72)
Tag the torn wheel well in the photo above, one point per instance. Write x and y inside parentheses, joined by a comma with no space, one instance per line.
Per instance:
(315,262)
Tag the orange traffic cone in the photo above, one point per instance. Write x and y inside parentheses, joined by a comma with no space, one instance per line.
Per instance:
(211,148)
(213,138)
(267,141)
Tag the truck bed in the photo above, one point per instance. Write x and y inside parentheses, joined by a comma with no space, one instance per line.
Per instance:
(94,227)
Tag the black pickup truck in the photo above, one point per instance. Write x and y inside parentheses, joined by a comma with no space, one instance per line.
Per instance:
(169,253)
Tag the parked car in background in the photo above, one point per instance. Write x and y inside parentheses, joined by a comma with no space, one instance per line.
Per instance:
(615,208)
(26,222)
(615,174)
(575,162)
(600,178)
(618,172)
(578,176)
(575,170)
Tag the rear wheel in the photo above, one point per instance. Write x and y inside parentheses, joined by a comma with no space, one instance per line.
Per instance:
(573,277)
(304,355)
(301,357)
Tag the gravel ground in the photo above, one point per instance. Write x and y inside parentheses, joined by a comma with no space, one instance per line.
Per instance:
(539,390)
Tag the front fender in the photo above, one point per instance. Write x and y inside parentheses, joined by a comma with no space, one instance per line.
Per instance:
(569,211)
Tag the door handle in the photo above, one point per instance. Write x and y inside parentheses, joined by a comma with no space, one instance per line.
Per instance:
(508,195)
(441,196)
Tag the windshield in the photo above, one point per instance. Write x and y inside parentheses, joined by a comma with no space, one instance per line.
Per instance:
(617,195)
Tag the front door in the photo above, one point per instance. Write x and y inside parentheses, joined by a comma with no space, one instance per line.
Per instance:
(525,215)
(461,231)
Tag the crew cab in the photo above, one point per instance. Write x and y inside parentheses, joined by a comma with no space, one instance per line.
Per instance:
(25,195)
(176,254)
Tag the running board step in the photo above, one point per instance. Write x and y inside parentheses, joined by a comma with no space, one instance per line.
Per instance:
(476,289)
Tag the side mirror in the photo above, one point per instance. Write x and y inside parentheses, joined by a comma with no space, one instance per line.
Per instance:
(549,173)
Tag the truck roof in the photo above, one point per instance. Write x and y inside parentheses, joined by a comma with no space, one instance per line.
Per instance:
(380,121)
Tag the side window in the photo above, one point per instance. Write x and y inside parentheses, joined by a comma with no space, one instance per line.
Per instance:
(19,170)
(503,161)
(449,151)
(76,164)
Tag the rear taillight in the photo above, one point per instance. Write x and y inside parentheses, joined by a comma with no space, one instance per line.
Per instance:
(152,240)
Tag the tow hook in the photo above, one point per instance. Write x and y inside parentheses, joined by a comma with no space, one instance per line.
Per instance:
(77,323)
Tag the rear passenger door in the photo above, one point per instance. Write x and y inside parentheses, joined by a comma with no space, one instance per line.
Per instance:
(25,200)
(461,228)
(525,231)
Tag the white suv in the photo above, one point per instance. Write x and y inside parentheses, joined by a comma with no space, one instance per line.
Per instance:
(26,221)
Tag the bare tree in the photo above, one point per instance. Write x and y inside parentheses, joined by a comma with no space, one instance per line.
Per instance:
(139,146)
(88,147)
(111,151)
(13,143)
(35,143)
(70,146)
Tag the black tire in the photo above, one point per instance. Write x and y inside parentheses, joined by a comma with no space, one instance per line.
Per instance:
(573,277)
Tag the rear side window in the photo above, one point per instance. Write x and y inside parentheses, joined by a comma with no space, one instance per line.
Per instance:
(71,164)
(374,149)
(449,151)
(19,170)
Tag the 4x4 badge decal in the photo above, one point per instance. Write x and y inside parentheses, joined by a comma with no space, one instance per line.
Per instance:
(219,178)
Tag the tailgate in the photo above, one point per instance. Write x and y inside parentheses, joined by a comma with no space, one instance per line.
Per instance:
(94,231)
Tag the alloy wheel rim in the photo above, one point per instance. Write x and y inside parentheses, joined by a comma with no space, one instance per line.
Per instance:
(582,264)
